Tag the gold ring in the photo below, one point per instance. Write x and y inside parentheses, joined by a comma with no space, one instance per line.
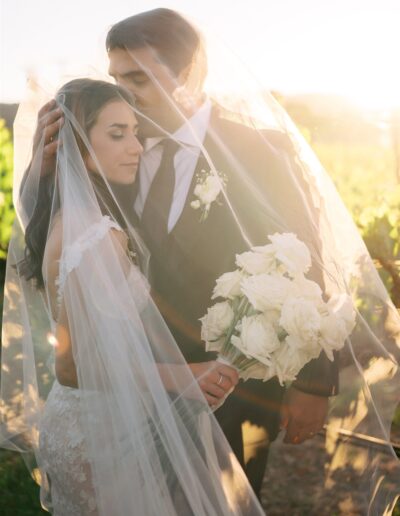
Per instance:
(220,379)
(51,139)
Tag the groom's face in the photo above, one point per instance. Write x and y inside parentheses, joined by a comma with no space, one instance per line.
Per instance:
(152,84)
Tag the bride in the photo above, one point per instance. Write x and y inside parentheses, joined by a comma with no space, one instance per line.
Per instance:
(96,385)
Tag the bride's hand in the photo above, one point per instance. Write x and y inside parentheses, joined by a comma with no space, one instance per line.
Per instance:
(216,380)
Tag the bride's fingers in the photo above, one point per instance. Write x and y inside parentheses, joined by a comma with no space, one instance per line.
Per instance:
(221,381)
(211,400)
(229,373)
(211,388)
(224,382)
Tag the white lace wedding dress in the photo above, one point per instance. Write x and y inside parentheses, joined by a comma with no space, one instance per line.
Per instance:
(61,439)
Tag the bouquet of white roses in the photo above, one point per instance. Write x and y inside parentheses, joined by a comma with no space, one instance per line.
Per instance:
(273,320)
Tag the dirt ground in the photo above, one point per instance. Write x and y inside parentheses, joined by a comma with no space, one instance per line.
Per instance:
(299,483)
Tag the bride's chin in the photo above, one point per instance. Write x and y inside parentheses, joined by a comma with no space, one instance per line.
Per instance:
(127,181)
(123,179)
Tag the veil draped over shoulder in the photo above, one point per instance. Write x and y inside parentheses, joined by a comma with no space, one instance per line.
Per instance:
(136,434)
(271,182)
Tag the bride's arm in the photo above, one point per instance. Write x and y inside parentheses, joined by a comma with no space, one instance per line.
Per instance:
(64,361)
(65,368)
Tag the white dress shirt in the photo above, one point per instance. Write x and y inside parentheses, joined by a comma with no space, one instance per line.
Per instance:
(191,135)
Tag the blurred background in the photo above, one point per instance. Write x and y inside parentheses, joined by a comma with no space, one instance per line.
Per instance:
(332,65)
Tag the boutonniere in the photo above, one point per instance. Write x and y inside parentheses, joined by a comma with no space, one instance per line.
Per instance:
(208,188)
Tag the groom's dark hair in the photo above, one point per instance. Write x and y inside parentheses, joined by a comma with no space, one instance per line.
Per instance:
(174,38)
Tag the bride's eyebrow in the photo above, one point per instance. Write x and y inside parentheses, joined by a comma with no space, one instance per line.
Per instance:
(121,126)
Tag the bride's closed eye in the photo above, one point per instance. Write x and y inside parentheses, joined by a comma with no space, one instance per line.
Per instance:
(117,136)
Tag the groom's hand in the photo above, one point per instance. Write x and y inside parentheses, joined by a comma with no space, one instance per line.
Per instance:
(50,121)
(215,380)
(303,415)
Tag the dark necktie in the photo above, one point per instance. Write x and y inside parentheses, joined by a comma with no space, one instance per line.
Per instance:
(154,221)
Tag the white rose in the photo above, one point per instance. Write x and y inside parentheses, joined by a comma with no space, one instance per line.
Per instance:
(228,285)
(273,316)
(268,250)
(301,318)
(342,306)
(215,345)
(291,252)
(256,371)
(195,204)
(333,335)
(287,362)
(307,351)
(216,322)
(307,289)
(256,263)
(258,338)
(266,291)
(238,343)
(209,190)
(337,324)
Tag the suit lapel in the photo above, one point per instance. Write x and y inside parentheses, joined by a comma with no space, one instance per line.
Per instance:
(188,228)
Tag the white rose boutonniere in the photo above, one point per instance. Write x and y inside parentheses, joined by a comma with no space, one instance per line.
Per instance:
(209,186)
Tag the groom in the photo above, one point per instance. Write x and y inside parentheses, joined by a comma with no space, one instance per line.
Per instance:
(152,55)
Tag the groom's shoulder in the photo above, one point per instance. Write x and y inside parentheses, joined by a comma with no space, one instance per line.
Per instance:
(238,132)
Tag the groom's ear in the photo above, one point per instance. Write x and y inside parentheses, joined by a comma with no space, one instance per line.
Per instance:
(183,75)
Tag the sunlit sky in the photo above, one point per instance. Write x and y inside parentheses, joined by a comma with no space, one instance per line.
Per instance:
(346,47)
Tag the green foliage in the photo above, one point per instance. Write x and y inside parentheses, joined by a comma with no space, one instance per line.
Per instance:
(6,180)
(363,174)
(365,178)
(19,495)
(380,226)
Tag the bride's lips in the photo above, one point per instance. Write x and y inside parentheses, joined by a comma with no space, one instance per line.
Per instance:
(133,164)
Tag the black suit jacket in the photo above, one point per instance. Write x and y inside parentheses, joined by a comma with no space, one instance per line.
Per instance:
(195,254)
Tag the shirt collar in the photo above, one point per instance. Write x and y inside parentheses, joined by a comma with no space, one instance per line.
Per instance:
(192,132)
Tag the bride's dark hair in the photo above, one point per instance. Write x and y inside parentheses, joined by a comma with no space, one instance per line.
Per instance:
(84,98)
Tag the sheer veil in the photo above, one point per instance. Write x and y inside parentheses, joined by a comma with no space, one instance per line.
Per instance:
(148,448)
(273,182)
(161,448)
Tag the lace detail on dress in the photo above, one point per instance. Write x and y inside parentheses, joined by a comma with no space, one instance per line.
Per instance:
(72,254)
(63,454)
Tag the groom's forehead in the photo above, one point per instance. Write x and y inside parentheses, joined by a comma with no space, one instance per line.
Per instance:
(123,61)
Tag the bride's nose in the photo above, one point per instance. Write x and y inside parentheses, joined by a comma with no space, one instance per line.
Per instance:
(135,147)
